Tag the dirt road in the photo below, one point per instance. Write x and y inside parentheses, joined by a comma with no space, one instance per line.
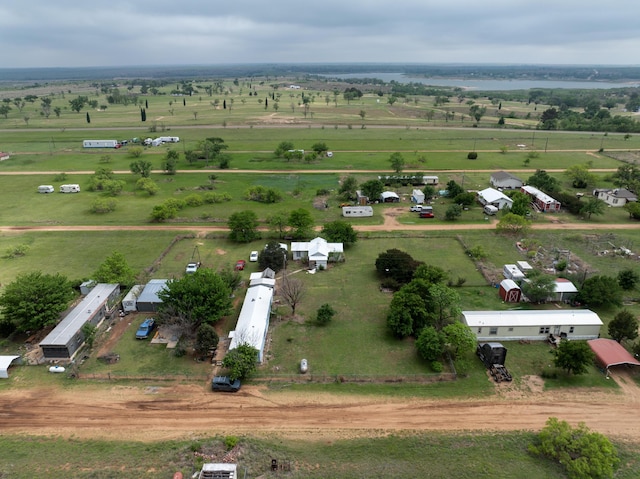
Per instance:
(149,414)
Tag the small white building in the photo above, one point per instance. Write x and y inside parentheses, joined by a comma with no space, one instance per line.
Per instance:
(532,325)
(417,196)
(505,181)
(318,252)
(389,197)
(490,196)
(563,291)
(129,302)
(616,197)
(219,470)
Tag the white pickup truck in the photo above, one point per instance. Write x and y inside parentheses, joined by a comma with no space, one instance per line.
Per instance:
(417,208)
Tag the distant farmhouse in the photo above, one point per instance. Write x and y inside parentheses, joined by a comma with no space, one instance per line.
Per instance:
(505,181)
(615,197)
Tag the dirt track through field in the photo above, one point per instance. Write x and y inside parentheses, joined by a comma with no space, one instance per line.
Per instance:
(156,413)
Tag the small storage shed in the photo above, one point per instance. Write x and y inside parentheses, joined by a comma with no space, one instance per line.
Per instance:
(610,353)
(496,198)
(511,271)
(532,325)
(564,291)
(525,267)
(64,341)
(218,471)
(389,197)
(417,197)
(129,303)
(509,291)
(148,301)
(5,362)
(504,180)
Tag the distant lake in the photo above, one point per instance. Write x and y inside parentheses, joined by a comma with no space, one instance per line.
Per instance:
(486,85)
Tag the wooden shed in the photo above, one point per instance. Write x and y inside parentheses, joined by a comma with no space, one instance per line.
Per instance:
(509,291)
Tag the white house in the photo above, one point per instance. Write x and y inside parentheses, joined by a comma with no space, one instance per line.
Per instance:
(504,180)
(532,325)
(615,197)
(318,251)
(417,196)
(490,196)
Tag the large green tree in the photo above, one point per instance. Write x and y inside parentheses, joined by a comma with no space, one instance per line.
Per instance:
(539,287)
(429,344)
(396,264)
(458,339)
(301,222)
(541,180)
(513,224)
(194,299)
(600,291)
(35,300)
(339,232)
(593,206)
(115,269)
(623,326)
(243,226)
(580,176)
(584,454)
(372,189)
(397,162)
(273,256)
(574,356)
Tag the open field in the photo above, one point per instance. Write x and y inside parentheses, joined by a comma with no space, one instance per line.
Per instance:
(162,404)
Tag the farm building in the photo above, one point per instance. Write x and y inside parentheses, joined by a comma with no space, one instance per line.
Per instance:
(253,321)
(496,198)
(148,301)
(389,197)
(417,196)
(532,325)
(67,337)
(357,211)
(540,200)
(509,291)
(511,271)
(361,199)
(265,278)
(5,362)
(129,303)
(615,197)
(318,252)
(505,181)
(563,292)
(610,353)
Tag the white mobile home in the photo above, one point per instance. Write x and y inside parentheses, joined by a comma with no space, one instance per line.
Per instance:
(532,325)
(169,139)
(253,321)
(357,211)
(67,337)
(100,143)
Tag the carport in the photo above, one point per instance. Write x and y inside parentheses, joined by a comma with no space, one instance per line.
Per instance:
(5,362)
(611,353)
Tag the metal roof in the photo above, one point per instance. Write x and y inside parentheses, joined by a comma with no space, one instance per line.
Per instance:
(78,316)
(611,353)
(254,318)
(150,292)
(491,195)
(5,362)
(573,317)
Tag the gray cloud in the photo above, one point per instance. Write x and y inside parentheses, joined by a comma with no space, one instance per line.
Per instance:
(45,33)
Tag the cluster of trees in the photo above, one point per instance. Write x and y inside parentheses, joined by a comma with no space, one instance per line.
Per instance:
(288,151)
(424,307)
(593,118)
(211,151)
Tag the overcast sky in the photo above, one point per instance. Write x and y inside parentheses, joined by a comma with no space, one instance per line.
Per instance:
(71,33)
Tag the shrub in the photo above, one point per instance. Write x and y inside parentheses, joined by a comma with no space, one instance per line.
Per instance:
(437,366)
(212,198)
(472,155)
(136,152)
(103,205)
(16,251)
(60,177)
(194,200)
(391,284)
(230,442)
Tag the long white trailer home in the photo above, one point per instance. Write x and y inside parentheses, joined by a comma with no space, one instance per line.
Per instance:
(100,144)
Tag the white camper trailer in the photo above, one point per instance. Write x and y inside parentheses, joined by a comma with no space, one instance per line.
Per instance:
(129,303)
(45,189)
(70,189)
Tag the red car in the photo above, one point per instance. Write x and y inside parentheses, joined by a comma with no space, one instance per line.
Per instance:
(240,265)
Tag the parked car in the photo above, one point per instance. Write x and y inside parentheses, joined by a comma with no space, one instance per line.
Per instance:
(240,265)
(146,328)
(426,213)
(417,208)
(192,268)
(225,384)
(253,256)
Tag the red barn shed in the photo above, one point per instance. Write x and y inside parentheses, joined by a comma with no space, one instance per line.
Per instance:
(509,291)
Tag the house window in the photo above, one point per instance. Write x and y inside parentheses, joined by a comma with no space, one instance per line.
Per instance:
(493,331)
(571,329)
(479,330)
(510,330)
(544,330)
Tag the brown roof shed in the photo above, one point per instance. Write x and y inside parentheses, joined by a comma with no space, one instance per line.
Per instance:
(610,353)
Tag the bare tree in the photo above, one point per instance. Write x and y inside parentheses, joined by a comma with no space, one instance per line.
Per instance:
(291,291)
